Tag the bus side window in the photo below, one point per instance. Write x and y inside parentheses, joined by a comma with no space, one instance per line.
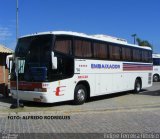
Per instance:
(126,54)
(65,66)
(100,50)
(83,48)
(145,56)
(115,52)
(63,46)
(137,55)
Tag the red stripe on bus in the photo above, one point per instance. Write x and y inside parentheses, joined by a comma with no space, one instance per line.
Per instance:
(25,85)
(135,67)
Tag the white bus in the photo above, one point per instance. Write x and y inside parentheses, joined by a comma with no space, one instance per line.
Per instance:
(60,66)
(156,67)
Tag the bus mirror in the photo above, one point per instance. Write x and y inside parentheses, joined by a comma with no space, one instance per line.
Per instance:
(54,61)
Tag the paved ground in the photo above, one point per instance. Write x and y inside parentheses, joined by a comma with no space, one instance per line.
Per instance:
(147,98)
(120,113)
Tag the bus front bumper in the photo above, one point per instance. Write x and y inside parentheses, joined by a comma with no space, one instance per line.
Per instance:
(31,96)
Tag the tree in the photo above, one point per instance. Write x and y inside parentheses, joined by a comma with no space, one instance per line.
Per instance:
(143,43)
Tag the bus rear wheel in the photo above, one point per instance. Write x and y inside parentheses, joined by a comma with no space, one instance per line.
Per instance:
(137,86)
(155,78)
(80,94)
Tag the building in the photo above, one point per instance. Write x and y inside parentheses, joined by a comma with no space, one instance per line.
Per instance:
(4,51)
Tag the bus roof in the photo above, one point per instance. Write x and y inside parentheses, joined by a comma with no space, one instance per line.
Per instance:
(100,37)
(156,55)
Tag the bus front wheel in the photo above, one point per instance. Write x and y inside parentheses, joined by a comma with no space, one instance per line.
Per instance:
(80,94)
(137,86)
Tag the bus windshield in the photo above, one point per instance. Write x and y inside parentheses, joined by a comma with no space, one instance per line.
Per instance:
(34,56)
(34,49)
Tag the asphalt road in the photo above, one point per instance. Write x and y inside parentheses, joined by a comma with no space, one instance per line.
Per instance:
(107,116)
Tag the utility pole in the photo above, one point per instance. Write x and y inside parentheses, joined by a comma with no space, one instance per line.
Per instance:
(16,60)
(17,63)
(17,20)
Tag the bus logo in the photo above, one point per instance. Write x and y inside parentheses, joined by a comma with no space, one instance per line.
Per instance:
(105,66)
(58,91)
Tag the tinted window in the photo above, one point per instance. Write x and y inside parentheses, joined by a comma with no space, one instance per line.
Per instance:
(100,50)
(136,55)
(146,56)
(83,48)
(156,61)
(126,54)
(115,52)
(150,56)
(63,45)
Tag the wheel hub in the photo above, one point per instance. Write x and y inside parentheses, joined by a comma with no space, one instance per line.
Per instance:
(81,95)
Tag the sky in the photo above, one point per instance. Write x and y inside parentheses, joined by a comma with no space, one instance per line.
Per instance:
(118,18)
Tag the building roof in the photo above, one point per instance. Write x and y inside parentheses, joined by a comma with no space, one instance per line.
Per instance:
(4,49)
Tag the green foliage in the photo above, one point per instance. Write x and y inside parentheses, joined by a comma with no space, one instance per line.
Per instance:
(144,43)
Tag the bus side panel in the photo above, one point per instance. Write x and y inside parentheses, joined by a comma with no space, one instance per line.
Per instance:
(130,78)
(103,84)
(62,90)
(156,70)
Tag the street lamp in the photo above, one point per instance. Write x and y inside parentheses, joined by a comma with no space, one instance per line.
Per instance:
(134,36)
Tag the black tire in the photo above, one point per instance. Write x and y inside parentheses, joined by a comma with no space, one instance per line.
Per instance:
(137,86)
(80,94)
(155,78)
